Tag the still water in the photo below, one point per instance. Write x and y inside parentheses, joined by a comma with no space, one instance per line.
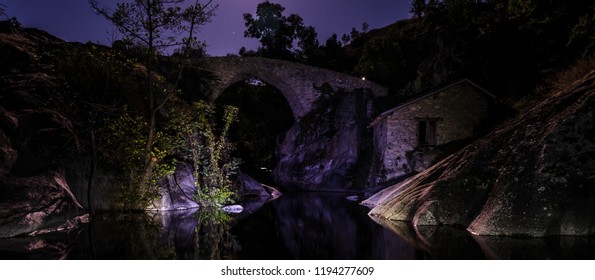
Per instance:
(295,226)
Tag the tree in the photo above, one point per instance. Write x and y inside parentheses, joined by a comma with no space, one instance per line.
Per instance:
(309,48)
(3,10)
(333,54)
(348,38)
(156,25)
(277,32)
(418,8)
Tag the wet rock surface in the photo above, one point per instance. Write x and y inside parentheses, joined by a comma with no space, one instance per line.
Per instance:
(533,176)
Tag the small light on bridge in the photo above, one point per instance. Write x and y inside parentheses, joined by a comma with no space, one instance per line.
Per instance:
(363,78)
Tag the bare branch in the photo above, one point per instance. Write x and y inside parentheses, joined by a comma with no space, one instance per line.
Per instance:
(105,12)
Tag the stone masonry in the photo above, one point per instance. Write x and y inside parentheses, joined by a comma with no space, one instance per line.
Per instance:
(295,81)
(405,137)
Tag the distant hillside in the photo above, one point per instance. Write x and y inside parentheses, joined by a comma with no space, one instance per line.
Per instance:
(508,48)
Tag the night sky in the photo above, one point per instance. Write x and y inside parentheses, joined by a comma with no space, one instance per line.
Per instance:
(73,20)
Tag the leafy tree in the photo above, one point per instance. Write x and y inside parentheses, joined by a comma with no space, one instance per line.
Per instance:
(156,25)
(277,33)
(197,139)
(309,48)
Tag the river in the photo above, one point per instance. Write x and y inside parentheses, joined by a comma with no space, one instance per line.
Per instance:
(294,226)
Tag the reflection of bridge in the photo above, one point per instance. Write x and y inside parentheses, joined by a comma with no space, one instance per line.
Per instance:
(295,81)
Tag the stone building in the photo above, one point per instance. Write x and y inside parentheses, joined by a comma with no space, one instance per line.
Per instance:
(412,136)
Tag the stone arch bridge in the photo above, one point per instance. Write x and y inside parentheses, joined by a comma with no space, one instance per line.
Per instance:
(295,81)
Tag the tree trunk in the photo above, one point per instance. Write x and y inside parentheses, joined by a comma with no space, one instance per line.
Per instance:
(92,173)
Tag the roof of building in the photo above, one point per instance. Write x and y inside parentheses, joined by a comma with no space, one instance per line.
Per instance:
(426,95)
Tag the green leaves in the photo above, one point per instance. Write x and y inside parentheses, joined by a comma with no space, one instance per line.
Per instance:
(197,138)
(125,136)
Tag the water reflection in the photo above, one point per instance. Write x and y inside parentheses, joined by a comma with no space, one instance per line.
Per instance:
(54,246)
(444,242)
(295,226)
(159,235)
(317,226)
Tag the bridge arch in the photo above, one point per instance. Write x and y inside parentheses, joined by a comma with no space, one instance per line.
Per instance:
(295,81)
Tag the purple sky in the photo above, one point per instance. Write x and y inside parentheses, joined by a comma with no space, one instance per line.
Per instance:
(73,20)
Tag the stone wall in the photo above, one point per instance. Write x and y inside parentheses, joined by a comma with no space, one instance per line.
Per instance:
(457,111)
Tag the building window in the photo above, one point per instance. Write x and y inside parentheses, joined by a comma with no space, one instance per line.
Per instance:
(426,133)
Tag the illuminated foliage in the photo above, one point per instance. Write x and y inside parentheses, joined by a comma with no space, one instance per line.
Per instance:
(196,139)
(156,25)
(125,140)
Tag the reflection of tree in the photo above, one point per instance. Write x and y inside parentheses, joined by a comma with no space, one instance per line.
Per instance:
(189,234)
(213,240)
(192,234)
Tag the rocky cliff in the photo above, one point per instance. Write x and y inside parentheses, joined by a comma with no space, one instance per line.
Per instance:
(35,144)
(532,176)
(324,150)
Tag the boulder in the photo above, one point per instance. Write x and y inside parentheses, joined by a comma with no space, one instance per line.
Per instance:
(532,176)
(176,190)
(252,188)
(322,151)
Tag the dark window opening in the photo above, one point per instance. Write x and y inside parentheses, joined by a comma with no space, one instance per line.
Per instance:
(427,133)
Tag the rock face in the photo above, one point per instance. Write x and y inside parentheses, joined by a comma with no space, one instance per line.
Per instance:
(105,191)
(533,176)
(177,190)
(252,188)
(323,150)
(34,195)
(35,144)
(37,204)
